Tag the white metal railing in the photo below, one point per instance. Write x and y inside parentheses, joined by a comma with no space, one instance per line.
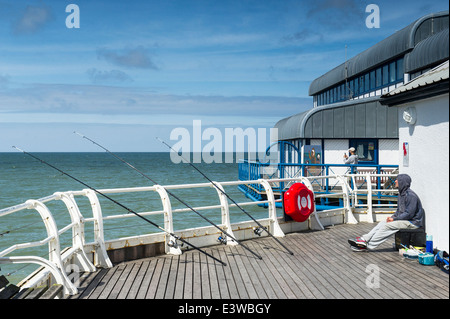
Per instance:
(57,260)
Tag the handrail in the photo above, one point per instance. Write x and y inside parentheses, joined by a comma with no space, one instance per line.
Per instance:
(55,263)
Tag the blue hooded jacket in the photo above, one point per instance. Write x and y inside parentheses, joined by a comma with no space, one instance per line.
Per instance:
(409,206)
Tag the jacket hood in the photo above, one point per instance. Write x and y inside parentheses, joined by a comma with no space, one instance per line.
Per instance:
(404,182)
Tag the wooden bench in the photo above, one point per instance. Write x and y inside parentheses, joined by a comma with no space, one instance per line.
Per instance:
(11,291)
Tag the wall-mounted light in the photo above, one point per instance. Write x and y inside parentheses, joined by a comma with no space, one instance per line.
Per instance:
(409,115)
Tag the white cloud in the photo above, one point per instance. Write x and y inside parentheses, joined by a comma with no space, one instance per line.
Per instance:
(32,19)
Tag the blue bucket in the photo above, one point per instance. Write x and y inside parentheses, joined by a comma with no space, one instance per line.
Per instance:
(426,259)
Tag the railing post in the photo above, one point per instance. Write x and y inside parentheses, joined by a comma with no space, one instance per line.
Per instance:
(168,222)
(275,227)
(225,210)
(101,258)
(78,239)
(349,218)
(369,199)
(54,257)
(308,184)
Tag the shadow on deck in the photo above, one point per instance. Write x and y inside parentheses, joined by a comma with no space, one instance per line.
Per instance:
(322,267)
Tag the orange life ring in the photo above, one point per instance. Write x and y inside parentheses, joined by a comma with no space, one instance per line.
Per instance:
(299,202)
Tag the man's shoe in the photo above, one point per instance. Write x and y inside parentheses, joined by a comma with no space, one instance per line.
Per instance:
(358,249)
(358,242)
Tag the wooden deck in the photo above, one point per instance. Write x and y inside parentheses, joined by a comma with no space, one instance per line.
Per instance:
(322,267)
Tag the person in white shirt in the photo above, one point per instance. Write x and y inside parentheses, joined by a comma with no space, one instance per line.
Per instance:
(353,158)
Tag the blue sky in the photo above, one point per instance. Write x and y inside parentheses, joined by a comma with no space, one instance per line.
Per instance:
(135,70)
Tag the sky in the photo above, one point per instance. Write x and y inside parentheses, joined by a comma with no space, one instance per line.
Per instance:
(136,70)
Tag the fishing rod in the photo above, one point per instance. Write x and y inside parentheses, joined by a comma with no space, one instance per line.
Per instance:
(222,240)
(260,228)
(121,205)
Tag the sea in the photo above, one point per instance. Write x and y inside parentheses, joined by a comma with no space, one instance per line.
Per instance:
(23,177)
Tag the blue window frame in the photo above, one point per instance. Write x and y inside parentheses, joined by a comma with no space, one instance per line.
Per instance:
(392,73)
(366,149)
(372,79)
(400,71)
(378,77)
(385,74)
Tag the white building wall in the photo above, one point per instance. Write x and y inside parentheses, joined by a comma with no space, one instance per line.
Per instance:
(334,154)
(388,152)
(428,162)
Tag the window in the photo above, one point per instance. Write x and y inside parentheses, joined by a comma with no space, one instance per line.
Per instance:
(366,149)
(392,73)
(350,88)
(361,84)
(400,71)
(356,90)
(366,82)
(372,79)
(378,77)
(385,74)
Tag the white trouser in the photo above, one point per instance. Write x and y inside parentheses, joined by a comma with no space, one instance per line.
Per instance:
(383,230)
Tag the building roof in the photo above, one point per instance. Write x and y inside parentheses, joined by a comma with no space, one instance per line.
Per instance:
(396,45)
(364,118)
(431,83)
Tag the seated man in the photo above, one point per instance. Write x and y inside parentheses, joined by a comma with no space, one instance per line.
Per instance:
(409,215)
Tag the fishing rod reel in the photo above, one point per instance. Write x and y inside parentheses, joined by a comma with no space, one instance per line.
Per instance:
(173,242)
(259,230)
(222,240)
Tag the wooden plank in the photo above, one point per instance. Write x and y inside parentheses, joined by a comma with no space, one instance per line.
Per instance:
(282,277)
(188,276)
(299,273)
(274,279)
(179,284)
(253,265)
(119,285)
(275,283)
(91,286)
(54,291)
(126,289)
(323,266)
(112,282)
(229,285)
(102,283)
(220,272)
(139,279)
(22,294)
(331,258)
(3,282)
(83,282)
(213,280)
(163,279)
(146,274)
(172,278)
(154,281)
(362,260)
(238,280)
(197,277)
(9,291)
(241,261)
(37,292)
(206,287)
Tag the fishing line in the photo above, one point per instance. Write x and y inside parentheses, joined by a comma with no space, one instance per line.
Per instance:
(260,228)
(121,205)
(170,193)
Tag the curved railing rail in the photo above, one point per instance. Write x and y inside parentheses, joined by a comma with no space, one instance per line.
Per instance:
(59,260)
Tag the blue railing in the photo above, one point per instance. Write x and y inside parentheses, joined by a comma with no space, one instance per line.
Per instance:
(251,170)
